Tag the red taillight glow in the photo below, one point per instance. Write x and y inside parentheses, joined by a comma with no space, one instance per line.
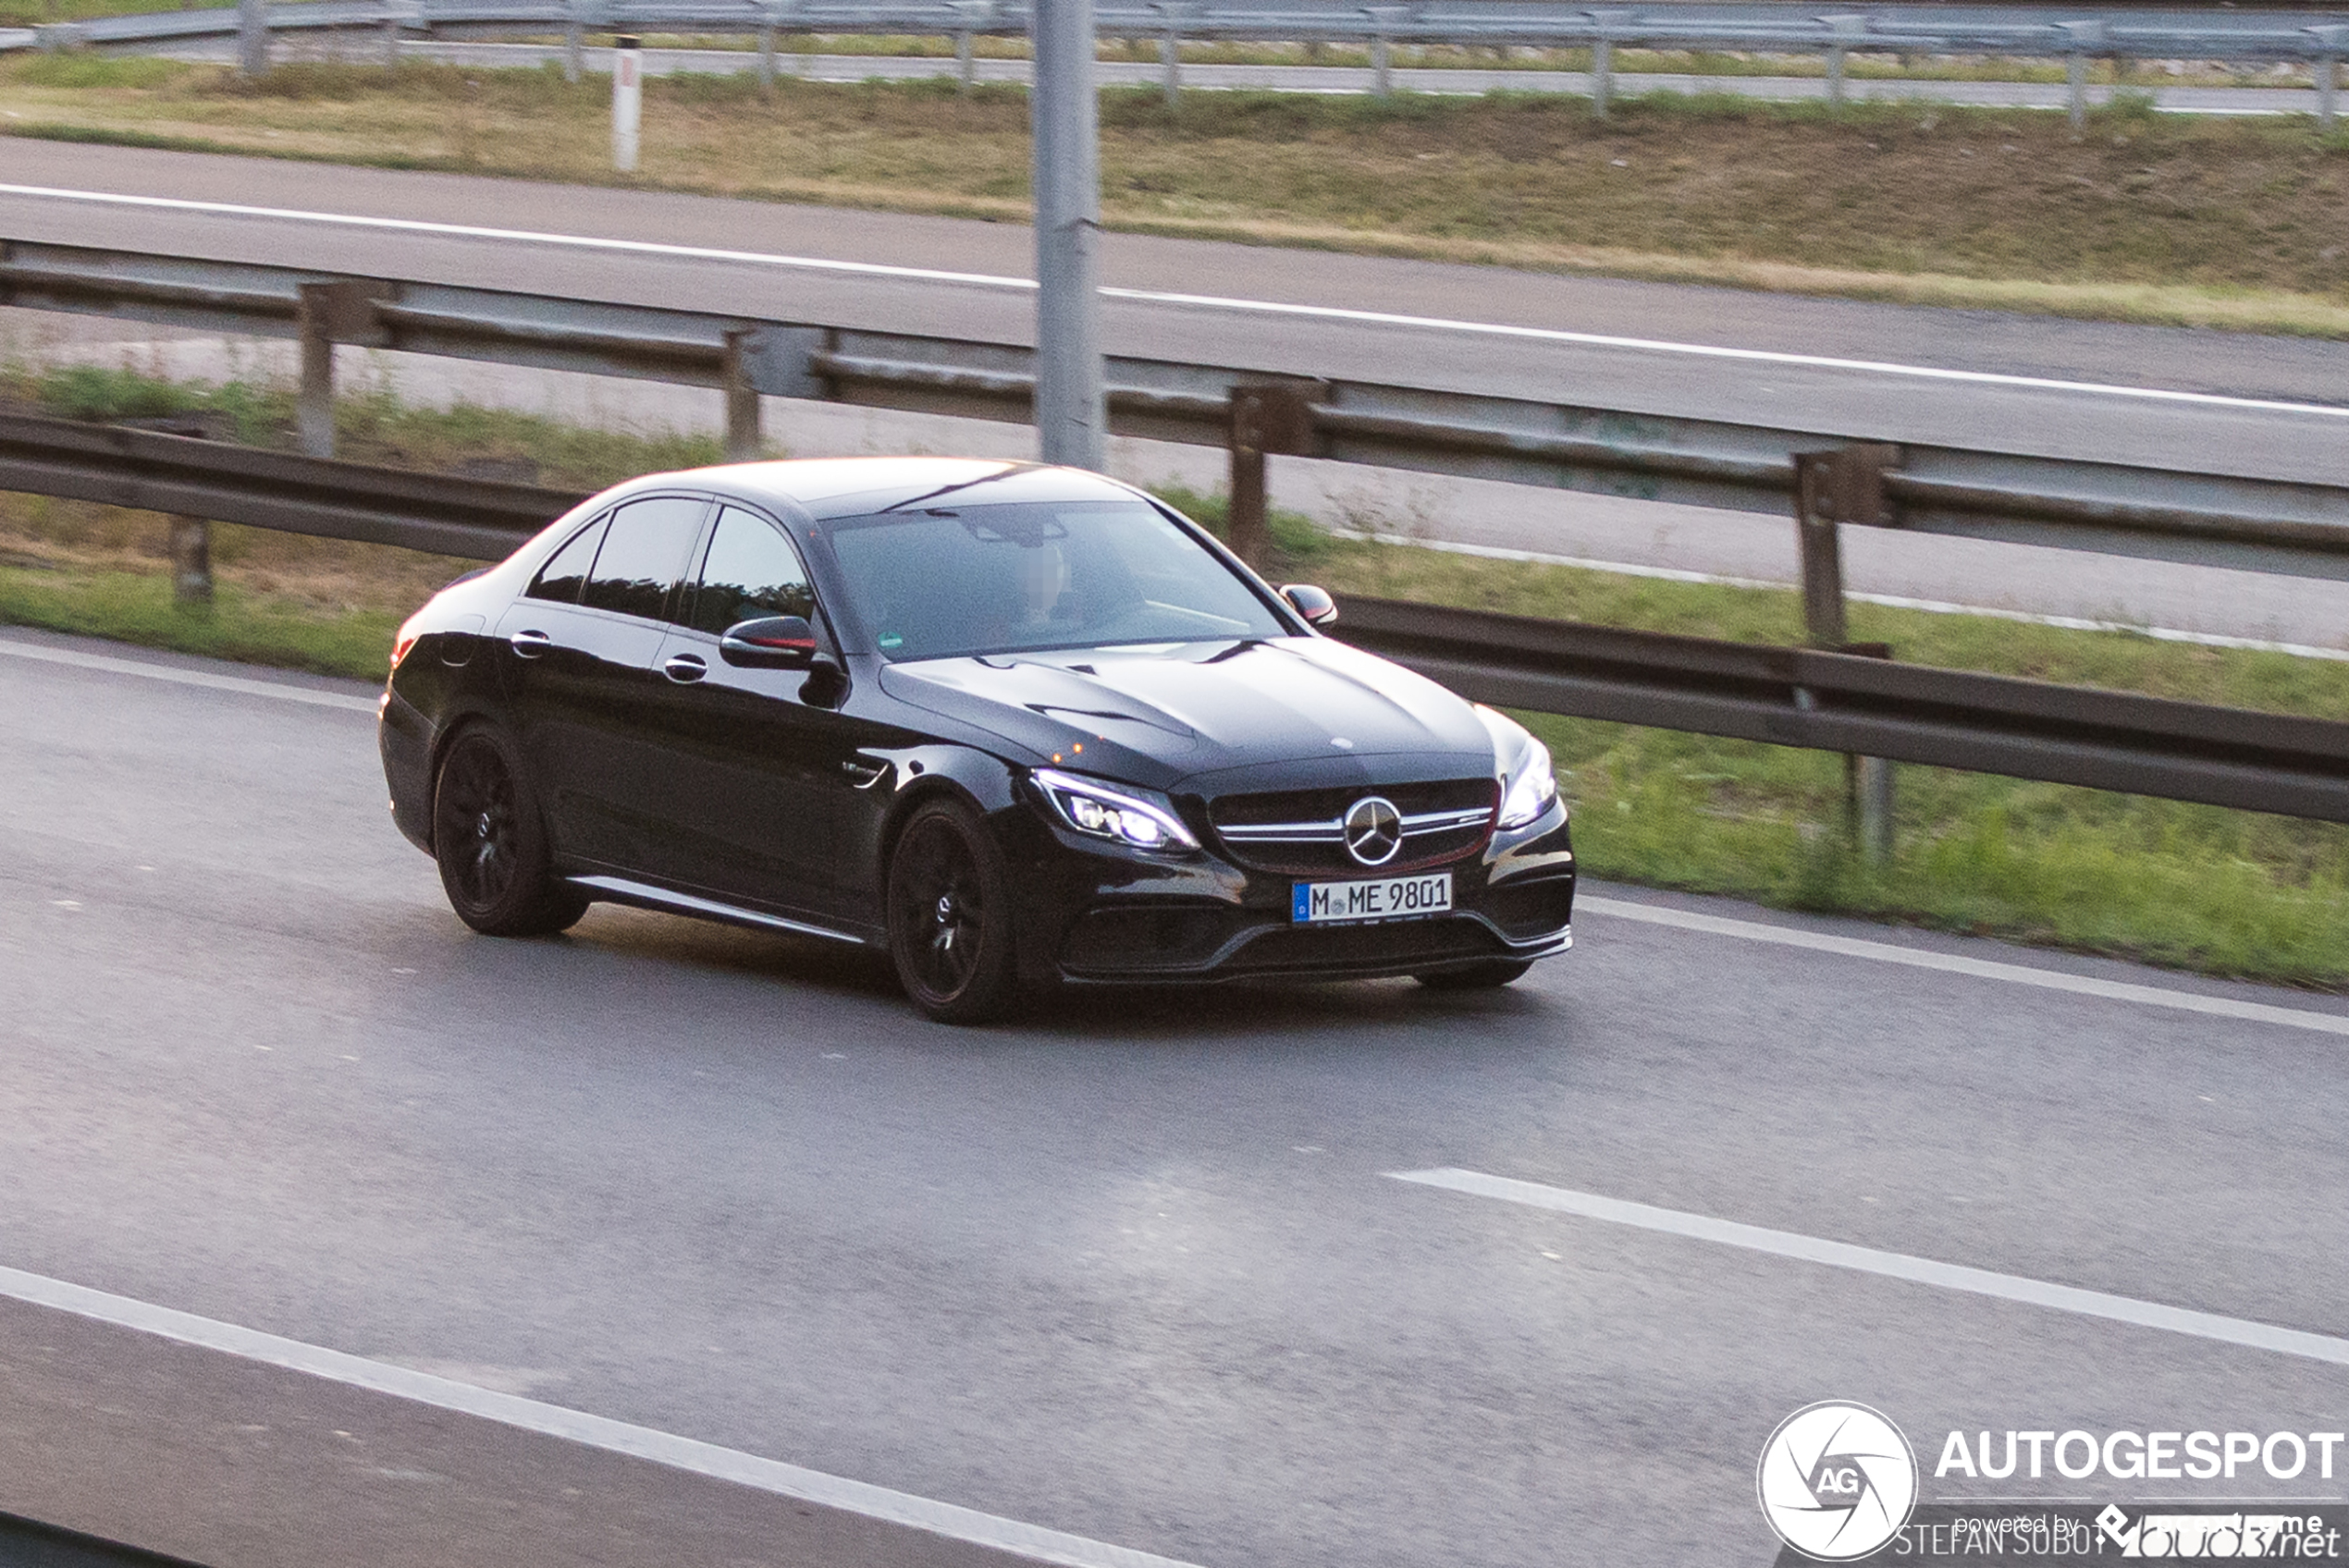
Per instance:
(399,649)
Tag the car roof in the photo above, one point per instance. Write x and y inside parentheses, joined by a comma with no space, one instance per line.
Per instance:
(829,487)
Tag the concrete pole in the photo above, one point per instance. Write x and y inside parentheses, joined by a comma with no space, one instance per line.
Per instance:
(2328,84)
(767,57)
(2324,69)
(966,70)
(1169,59)
(1378,65)
(574,41)
(1071,408)
(252,37)
(2075,81)
(1602,76)
(627,100)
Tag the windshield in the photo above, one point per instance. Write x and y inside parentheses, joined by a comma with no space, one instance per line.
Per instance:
(999,578)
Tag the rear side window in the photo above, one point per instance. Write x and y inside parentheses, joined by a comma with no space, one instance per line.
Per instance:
(566,572)
(751,570)
(644,554)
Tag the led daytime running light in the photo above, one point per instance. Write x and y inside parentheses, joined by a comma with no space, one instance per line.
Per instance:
(1531,787)
(1099,811)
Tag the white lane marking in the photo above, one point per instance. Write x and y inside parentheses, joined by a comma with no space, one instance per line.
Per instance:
(1203,301)
(1978,968)
(1892,1264)
(1032,1541)
(282,690)
(1891,601)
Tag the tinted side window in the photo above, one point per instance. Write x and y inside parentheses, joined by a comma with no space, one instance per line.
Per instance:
(643,554)
(566,570)
(751,570)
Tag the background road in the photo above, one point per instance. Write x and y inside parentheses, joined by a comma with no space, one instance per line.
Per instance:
(1132,1268)
(1847,397)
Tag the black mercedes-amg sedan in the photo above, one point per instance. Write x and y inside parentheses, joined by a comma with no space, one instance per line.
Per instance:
(1016,725)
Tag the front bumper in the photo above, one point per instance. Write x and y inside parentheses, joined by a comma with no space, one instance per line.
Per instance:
(1095,916)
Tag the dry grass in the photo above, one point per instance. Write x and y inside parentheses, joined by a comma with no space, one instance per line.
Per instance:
(2225,223)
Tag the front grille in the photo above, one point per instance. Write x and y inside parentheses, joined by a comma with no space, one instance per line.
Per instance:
(1296,832)
(1337,950)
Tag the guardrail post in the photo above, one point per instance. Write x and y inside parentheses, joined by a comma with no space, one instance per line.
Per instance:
(1265,418)
(190,563)
(252,37)
(1603,59)
(1831,489)
(2083,37)
(2325,68)
(315,403)
(627,100)
(745,441)
(1844,30)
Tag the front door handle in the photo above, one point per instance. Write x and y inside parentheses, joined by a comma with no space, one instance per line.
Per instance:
(530,644)
(685,669)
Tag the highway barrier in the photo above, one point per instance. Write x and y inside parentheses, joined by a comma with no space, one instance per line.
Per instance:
(1831,699)
(2075,35)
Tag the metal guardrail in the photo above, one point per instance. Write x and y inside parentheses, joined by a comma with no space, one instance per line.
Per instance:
(2177,513)
(1826,700)
(1870,706)
(2075,35)
(2034,32)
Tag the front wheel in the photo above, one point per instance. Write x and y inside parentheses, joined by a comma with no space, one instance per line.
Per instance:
(1491,974)
(490,840)
(950,917)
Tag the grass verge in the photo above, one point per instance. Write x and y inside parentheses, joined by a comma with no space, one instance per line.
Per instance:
(2193,886)
(2232,222)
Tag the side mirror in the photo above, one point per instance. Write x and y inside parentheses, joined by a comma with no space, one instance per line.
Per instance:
(1314,604)
(775,641)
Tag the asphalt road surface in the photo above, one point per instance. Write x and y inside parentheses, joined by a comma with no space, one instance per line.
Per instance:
(1846,397)
(1138,1268)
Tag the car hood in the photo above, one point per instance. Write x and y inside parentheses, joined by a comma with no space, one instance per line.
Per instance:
(1161,715)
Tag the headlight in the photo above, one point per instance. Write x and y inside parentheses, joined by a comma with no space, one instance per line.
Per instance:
(1142,818)
(1531,787)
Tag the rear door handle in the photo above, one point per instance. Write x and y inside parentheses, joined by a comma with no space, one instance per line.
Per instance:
(685,669)
(530,644)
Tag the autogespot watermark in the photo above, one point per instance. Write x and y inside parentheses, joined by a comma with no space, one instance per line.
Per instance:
(1838,1482)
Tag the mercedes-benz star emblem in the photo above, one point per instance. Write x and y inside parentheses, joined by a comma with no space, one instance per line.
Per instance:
(1373,830)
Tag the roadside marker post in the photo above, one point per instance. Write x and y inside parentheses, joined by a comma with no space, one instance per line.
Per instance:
(627,100)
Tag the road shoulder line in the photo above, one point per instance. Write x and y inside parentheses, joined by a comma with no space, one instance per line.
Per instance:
(952,1521)
(1891,1265)
(1955,963)
(282,690)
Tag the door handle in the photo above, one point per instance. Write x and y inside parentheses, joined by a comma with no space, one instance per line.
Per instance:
(685,669)
(530,644)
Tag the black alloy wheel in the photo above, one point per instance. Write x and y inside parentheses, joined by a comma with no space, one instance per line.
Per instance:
(1489,974)
(491,842)
(950,917)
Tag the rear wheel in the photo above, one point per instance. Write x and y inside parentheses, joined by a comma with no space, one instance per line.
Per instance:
(490,840)
(1488,976)
(950,917)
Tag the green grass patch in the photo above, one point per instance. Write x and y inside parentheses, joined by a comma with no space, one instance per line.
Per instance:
(128,607)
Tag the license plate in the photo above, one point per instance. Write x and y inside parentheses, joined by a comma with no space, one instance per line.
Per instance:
(1391,898)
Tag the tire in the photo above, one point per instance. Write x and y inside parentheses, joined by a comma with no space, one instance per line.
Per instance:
(1490,974)
(950,917)
(490,840)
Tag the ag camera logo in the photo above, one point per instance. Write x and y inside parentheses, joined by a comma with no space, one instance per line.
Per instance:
(1837,1481)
